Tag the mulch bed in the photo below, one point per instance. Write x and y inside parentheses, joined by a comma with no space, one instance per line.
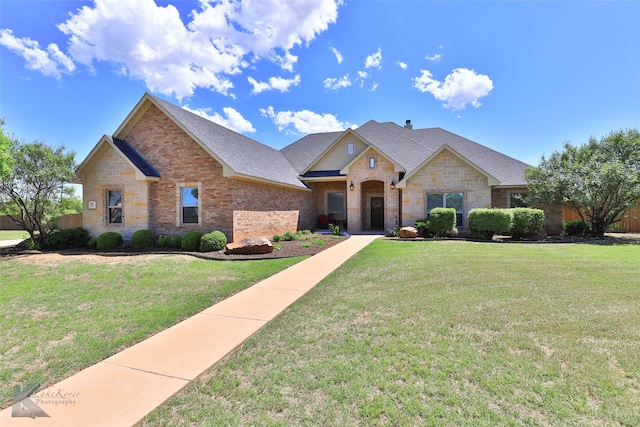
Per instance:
(286,249)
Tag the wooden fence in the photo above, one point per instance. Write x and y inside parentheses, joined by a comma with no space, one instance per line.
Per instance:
(64,222)
(630,222)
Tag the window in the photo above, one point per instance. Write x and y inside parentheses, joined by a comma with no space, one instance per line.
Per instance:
(372,162)
(189,201)
(351,148)
(335,208)
(114,206)
(446,200)
(518,200)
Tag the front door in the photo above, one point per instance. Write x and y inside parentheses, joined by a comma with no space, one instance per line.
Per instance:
(377,213)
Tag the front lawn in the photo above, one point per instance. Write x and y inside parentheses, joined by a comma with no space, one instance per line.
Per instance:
(62,312)
(441,333)
(13,234)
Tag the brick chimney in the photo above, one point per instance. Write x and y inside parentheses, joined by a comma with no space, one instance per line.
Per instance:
(408,125)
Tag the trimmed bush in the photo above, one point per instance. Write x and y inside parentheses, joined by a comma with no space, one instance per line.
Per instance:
(213,241)
(109,240)
(165,241)
(143,239)
(526,221)
(422,225)
(191,241)
(488,222)
(176,241)
(277,238)
(289,236)
(70,238)
(441,221)
(92,243)
(576,228)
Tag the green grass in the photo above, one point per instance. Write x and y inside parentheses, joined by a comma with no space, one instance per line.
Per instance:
(60,316)
(441,333)
(13,234)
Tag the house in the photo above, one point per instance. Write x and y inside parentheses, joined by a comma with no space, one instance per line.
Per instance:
(172,171)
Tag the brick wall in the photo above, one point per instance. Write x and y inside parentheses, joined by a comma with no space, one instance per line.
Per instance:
(446,173)
(261,210)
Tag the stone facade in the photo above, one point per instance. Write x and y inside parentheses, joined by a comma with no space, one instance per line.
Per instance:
(371,182)
(445,173)
(112,172)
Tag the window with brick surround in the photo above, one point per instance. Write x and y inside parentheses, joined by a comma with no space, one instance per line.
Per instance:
(446,200)
(189,204)
(114,206)
(518,200)
(372,162)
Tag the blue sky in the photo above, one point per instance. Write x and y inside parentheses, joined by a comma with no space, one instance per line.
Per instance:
(519,77)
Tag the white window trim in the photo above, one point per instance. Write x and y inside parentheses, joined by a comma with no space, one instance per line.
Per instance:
(351,148)
(108,206)
(372,162)
(179,187)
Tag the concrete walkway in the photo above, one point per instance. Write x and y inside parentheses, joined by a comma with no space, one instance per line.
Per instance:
(7,243)
(121,390)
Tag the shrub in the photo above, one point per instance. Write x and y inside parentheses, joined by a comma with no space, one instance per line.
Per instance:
(335,229)
(109,240)
(143,239)
(576,228)
(176,241)
(191,241)
(69,238)
(92,243)
(165,241)
(441,221)
(213,241)
(526,221)
(288,236)
(422,226)
(487,222)
(277,238)
(393,232)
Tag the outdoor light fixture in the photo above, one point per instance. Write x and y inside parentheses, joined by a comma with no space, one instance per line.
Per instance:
(351,186)
(393,185)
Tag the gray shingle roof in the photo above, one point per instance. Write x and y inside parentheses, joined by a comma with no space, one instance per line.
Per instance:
(243,155)
(135,158)
(410,148)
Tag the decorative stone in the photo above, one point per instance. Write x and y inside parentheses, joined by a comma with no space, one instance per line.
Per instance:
(408,232)
(249,246)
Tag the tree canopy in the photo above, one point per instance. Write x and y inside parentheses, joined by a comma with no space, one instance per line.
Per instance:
(32,191)
(600,179)
(6,161)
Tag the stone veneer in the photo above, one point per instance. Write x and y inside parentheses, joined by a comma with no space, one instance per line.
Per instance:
(359,174)
(110,171)
(445,173)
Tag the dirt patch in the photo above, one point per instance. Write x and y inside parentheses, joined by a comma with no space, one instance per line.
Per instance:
(282,249)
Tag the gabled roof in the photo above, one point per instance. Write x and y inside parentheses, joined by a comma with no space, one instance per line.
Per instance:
(142,168)
(409,149)
(240,156)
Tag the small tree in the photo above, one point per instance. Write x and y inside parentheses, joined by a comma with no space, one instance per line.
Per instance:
(599,180)
(31,193)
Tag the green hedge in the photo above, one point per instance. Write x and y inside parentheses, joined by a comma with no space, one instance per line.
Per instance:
(576,228)
(109,240)
(442,221)
(526,221)
(143,239)
(488,222)
(191,241)
(213,241)
(70,238)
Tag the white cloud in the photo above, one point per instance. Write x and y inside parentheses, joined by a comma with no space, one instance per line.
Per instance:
(434,58)
(461,87)
(304,121)
(401,65)
(335,83)
(338,55)
(50,62)
(374,87)
(234,120)
(276,83)
(374,60)
(153,44)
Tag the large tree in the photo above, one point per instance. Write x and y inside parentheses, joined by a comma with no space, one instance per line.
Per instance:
(6,161)
(600,179)
(31,193)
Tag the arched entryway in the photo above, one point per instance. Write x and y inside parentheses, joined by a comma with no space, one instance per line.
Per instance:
(372,205)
